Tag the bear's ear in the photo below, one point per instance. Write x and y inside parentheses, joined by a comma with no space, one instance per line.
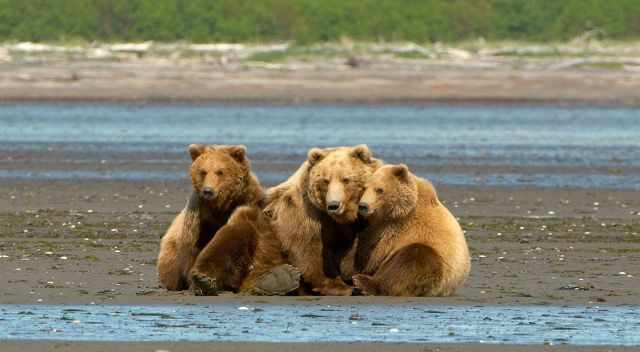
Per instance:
(400,171)
(315,155)
(195,150)
(238,152)
(362,152)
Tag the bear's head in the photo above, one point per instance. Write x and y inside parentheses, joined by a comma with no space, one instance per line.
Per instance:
(336,179)
(219,173)
(392,192)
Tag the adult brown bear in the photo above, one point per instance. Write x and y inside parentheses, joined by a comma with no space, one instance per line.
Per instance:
(222,180)
(313,217)
(315,213)
(413,246)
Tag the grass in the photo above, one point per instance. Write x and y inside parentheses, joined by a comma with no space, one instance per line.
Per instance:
(270,56)
(603,66)
(411,55)
(253,52)
(305,53)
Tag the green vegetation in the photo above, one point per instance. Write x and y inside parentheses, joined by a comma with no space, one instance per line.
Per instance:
(301,53)
(270,56)
(604,66)
(308,21)
(411,55)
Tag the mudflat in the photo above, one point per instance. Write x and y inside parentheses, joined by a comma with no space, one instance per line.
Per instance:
(87,191)
(84,241)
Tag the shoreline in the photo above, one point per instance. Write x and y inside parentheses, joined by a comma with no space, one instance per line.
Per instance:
(368,77)
(52,345)
(320,101)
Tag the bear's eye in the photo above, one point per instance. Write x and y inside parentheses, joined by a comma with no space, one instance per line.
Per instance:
(379,190)
(203,173)
(325,181)
(219,173)
(346,180)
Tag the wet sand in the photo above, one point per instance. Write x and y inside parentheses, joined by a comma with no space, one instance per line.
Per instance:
(152,82)
(96,241)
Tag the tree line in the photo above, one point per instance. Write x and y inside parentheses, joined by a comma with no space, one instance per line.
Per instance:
(307,21)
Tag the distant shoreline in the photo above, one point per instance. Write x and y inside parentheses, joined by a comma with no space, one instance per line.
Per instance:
(570,74)
(390,101)
(126,84)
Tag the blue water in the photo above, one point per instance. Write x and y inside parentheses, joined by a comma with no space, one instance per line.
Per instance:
(323,323)
(600,142)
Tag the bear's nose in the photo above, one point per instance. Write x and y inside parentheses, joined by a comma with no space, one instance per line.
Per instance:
(363,208)
(208,192)
(333,207)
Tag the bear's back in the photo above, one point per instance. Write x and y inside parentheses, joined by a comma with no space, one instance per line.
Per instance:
(435,226)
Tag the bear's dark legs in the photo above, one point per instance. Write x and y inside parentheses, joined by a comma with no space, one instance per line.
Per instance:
(225,261)
(415,270)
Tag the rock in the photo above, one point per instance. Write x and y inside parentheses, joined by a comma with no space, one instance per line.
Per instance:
(137,48)
(32,47)
(99,53)
(216,48)
(458,54)
(572,287)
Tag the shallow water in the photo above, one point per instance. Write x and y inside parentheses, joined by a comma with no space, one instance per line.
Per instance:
(325,323)
(599,141)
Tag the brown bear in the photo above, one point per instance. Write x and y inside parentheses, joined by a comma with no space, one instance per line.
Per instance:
(412,246)
(222,180)
(244,256)
(315,213)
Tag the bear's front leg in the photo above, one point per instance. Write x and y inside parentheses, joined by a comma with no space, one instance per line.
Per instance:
(334,287)
(366,285)
(202,285)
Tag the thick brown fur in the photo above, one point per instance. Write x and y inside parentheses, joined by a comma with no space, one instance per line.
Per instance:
(316,240)
(413,246)
(222,180)
(241,253)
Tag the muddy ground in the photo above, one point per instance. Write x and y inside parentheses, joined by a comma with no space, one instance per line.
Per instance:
(97,241)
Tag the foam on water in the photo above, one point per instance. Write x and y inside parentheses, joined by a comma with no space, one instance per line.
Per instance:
(322,323)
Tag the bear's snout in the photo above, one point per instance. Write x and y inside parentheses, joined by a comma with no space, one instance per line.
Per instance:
(208,193)
(333,207)
(363,208)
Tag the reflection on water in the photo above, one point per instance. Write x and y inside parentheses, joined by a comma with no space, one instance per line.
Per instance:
(325,323)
